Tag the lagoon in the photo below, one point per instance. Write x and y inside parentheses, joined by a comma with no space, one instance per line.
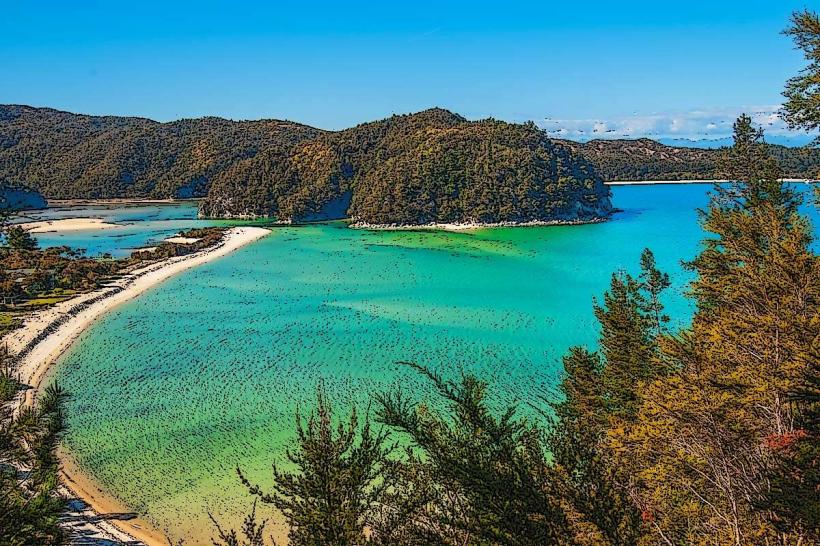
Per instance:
(171,391)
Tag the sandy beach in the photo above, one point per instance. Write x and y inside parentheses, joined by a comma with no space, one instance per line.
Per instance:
(48,333)
(68,224)
(469,226)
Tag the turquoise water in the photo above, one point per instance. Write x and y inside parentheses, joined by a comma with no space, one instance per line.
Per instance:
(138,225)
(172,391)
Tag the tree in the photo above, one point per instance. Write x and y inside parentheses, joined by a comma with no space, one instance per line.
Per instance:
(29,505)
(599,509)
(488,468)
(20,239)
(330,495)
(626,343)
(802,107)
(653,283)
(709,436)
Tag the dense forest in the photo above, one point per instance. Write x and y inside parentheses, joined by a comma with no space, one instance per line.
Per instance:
(433,166)
(64,155)
(645,159)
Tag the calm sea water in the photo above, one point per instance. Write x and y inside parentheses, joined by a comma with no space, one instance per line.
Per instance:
(138,225)
(170,392)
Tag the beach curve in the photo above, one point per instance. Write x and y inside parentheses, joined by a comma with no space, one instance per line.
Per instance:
(46,335)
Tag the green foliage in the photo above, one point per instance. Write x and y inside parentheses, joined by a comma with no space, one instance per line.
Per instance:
(645,159)
(433,166)
(329,496)
(65,155)
(18,238)
(490,470)
(29,506)
(802,107)
(599,509)
(723,448)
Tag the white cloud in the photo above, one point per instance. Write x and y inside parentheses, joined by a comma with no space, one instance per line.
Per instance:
(696,124)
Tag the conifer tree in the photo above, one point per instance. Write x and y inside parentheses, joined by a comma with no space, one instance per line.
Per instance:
(29,506)
(20,239)
(710,436)
(599,510)
(330,495)
(626,344)
(489,465)
(802,107)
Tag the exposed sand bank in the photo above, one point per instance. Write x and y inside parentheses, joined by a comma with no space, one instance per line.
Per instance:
(69,224)
(470,226)
(182,240)
(48,333)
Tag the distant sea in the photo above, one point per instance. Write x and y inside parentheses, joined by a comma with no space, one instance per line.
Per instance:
(170,392)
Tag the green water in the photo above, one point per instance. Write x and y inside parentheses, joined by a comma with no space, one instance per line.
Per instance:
(172,391)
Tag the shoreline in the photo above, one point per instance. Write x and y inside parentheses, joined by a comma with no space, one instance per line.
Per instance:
(119,201)
(67,225)
(47,334)
(471,226)
(694,181)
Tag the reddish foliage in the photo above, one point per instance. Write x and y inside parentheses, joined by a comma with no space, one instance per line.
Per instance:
(781,442)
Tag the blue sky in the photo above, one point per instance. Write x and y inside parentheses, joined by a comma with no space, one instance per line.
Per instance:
(619,65)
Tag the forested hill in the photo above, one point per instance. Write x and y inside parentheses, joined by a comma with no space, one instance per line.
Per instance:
(433,166)
(418,168)
(645,159)
(66,155)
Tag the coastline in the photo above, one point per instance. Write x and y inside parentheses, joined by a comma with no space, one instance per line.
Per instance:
(66,225)
(46,335)
(704,181)
(470,226)
(120,201)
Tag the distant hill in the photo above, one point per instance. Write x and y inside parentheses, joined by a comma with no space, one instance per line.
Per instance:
(433,166)
(66,155)
(645,159)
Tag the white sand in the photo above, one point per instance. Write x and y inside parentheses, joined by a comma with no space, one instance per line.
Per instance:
(38,350)
(181,240)
(468,226)
(68,224)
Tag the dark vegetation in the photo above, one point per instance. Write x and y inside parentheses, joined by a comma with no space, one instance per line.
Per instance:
(429,167)
(645,159)
(29,506)
(418,168)
(204,238)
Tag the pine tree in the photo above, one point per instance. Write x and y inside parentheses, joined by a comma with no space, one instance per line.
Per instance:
(802,107)
(20,239)
(599,510)
(330,495)
(710,436)
(626,345)
(653,283)
(489,467)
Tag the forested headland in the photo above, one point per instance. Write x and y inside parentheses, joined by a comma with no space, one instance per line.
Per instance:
(430,167)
